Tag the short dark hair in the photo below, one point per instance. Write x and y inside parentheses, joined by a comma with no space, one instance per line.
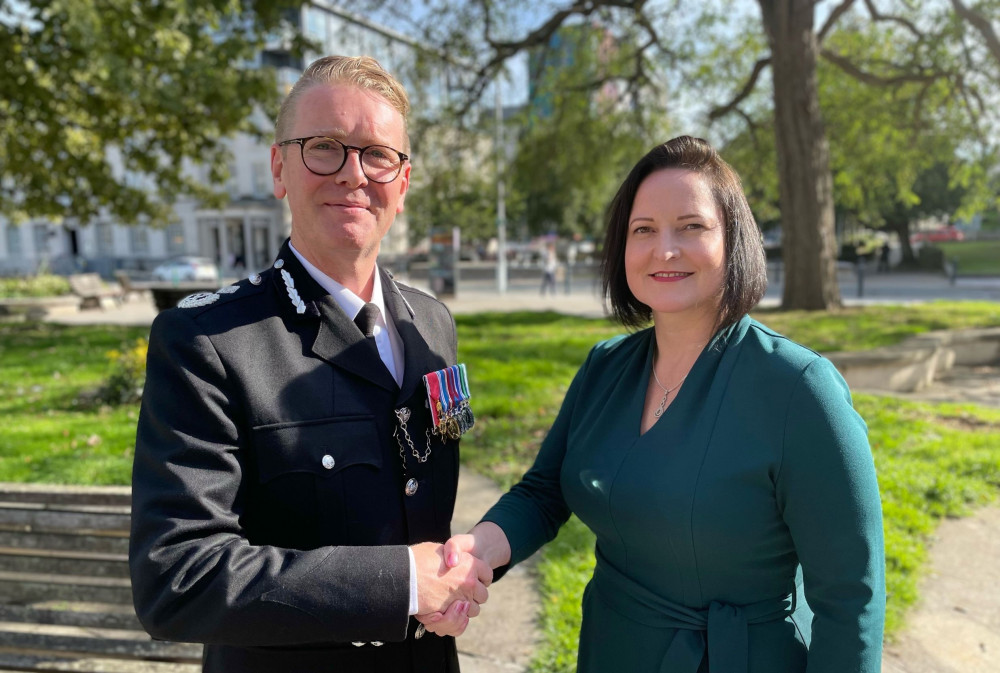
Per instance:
(746,266)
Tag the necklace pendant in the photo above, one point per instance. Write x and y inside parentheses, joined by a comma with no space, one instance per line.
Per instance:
(662,406)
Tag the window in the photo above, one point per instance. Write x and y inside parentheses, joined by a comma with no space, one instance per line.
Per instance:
(105,239)
(13,235)
(260,182)
(175,239)
(138,235)
(40,238)
(315,24)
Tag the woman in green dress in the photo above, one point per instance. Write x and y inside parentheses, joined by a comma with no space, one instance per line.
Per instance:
(721,466)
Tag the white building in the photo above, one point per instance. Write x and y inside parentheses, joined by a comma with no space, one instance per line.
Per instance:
(246,234)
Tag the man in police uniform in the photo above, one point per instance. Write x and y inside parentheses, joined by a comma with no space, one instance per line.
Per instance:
(289,488)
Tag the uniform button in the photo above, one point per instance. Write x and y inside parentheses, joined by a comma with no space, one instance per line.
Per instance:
(358,643)
(278,263)
(411,486)
(328,461)
(255,279)
(377,643)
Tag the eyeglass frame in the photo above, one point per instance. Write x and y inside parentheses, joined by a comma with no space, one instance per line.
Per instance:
(301,142)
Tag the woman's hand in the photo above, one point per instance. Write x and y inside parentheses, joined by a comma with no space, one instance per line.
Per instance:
(454,620)
(486,541)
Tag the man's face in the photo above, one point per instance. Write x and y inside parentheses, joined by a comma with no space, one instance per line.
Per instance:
(344,212)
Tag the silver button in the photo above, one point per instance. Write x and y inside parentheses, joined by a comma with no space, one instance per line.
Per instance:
(278,263)
(411,486)
(377,643)
(328,461)
(358,643)
(255,279)
(419,633)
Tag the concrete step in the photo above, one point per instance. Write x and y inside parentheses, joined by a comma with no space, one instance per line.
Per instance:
(111,541)
(120,496)
(62,562)
(82,519)
(48,639)
(71,613)
(19,588)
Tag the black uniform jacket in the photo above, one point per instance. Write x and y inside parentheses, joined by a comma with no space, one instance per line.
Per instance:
(269,518)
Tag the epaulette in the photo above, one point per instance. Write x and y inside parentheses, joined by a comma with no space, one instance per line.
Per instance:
(243,288)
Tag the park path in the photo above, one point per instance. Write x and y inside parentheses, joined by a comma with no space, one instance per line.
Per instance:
(955,627)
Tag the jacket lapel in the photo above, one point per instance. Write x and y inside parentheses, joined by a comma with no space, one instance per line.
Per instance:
(338,340)
(341,343)
(417,356)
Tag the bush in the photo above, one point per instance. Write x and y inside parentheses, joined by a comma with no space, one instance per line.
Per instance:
(41,285)
(128,375)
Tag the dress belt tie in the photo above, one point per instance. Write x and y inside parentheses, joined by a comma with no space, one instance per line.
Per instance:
(720,631)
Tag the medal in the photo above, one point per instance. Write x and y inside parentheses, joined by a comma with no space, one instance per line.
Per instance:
(448,399)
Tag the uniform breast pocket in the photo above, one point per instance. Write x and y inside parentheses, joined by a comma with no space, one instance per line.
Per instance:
(309,476)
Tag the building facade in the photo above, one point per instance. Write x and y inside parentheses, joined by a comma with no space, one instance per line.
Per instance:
(244,235)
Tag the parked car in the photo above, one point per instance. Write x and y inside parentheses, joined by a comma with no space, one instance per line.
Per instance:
(186,268)
(949,233)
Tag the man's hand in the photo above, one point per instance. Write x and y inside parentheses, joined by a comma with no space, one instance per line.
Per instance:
(438,585)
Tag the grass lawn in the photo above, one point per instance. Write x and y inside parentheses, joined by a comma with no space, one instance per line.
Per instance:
(974,257)
(933,460)
(46,434)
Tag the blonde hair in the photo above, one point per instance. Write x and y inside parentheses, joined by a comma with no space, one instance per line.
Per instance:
(363,72)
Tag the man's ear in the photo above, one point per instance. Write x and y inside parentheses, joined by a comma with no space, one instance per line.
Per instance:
(277,164)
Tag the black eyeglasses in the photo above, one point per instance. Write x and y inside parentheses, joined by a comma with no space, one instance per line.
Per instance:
(325,156)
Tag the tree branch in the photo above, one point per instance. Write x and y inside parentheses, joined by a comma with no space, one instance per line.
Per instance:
(747,89)
(835,15)
(857,73)
(981,24)
(906,23)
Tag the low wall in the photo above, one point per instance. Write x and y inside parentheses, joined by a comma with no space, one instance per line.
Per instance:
(37,308)
(914,364)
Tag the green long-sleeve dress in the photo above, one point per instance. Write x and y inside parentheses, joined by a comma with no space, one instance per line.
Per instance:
(742,533)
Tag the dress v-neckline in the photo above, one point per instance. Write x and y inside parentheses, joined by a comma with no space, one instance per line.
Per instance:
(639,402)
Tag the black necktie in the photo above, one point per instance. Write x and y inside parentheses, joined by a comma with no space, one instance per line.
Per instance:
(365,320)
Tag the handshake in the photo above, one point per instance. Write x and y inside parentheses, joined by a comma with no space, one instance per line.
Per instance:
(452,578)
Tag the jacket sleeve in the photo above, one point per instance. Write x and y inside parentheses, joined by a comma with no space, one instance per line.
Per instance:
(829,497)
(534,509)
(195,576)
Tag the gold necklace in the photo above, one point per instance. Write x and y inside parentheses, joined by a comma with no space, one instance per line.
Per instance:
(666,392)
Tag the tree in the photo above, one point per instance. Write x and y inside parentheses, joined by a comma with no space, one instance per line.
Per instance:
(949,42)
(900,153)
(109,106)
(454,183)
(577,144)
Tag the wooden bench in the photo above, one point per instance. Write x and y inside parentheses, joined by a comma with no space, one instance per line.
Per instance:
(130,287)
(65,595)
(92,290)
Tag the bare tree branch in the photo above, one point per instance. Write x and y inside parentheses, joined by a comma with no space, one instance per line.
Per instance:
(890,18)
(501,50)
(981,24)
(857,73)
(835,15)
(747,89)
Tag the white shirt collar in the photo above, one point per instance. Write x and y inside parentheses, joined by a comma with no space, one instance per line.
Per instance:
(347,300)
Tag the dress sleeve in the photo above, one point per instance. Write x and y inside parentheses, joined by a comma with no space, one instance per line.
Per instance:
(195,575)
(828,494)
(532,512)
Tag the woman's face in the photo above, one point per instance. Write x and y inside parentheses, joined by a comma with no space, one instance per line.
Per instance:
(675,251)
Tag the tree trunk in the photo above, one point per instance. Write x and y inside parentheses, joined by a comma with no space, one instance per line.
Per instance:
(901,228)
(809,247)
